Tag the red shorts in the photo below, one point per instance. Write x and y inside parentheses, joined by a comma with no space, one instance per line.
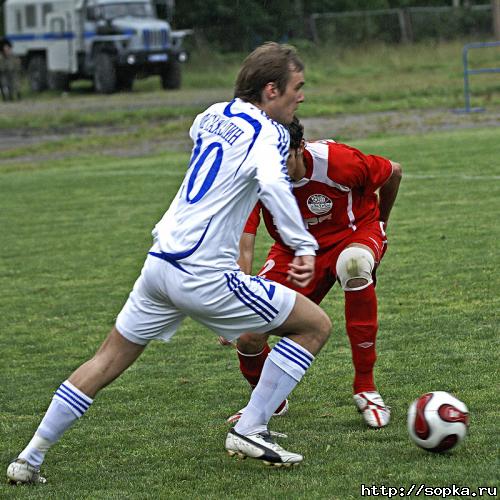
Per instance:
(276,266)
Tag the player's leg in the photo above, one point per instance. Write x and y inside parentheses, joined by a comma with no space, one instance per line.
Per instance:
(114,356)
(142,313)
(3,88)
(284,368)
(241,302)
(354,268)
(71,401)
(253,349)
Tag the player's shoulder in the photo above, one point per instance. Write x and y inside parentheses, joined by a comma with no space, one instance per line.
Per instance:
(216,109)
(264,125)
(324,147)
(276,134)
(242,123)
(319,149)
(217,120)
(246,115)
(333,151)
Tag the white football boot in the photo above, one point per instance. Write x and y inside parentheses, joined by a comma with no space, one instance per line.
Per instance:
(262,447)
(371,405)
(280,411)
(21,472)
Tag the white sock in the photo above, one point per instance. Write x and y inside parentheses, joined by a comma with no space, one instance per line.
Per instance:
(68,404)
(284,367)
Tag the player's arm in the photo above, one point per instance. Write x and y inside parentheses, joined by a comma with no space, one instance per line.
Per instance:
(389,191)
(247,246)
(279,200)
(277,197)
(247,240)
(351,167)
(282,205)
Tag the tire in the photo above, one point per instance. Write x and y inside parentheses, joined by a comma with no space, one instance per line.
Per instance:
(37,73)
(58,80)
(105,78)
(171,76)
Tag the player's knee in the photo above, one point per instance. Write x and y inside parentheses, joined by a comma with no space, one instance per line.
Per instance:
(251,343)
(323,326)
(326,328)
(321,332)
(354,268)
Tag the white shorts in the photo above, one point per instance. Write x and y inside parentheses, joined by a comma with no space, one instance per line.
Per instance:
(228,302)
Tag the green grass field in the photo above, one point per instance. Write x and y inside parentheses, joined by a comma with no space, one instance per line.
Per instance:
(74,236)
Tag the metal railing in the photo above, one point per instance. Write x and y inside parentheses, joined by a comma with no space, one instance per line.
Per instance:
(467,71)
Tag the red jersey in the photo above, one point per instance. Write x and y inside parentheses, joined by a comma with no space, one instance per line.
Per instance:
(337,194)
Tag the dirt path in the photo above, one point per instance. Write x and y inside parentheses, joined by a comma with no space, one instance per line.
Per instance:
(343,127)
(348,127)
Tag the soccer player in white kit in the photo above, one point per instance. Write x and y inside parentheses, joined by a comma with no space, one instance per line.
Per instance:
(239,156)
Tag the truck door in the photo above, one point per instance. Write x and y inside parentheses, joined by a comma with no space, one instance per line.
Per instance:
(61,55)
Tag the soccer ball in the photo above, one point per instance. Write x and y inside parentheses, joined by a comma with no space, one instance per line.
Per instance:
(437,421)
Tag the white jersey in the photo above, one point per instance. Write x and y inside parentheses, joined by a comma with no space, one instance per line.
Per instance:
(239,156)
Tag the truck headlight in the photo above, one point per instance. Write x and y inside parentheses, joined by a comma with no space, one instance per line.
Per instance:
(131,59)
(182,57)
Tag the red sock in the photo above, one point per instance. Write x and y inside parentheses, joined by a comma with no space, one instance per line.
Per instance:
(251,365)
(362,326)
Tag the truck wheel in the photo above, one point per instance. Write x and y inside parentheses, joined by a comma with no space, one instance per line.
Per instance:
(171,75)
(105,74)
(58,80)
(37,73)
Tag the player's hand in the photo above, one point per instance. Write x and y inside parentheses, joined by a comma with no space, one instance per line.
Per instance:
(301,270)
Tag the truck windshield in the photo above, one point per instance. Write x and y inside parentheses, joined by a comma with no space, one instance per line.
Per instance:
(133,9)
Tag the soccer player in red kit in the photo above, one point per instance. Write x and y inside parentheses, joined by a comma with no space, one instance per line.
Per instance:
(345,198)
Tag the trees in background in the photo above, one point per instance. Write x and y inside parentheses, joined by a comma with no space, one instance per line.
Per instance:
(495,5)
(234,25)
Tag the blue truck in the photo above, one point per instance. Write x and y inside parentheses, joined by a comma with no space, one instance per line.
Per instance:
(111,42)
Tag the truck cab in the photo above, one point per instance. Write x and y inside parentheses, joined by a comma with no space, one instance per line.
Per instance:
(111,42)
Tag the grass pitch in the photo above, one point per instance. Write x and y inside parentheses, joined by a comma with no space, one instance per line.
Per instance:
(74,236)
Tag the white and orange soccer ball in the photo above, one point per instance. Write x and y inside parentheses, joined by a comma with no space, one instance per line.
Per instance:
(437,421)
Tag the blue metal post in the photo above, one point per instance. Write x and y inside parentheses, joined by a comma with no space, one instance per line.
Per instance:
(467,72)
(466,79)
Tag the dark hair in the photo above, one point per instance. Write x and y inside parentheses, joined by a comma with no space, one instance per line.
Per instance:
(271,62)
(296,130)
(5,42)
